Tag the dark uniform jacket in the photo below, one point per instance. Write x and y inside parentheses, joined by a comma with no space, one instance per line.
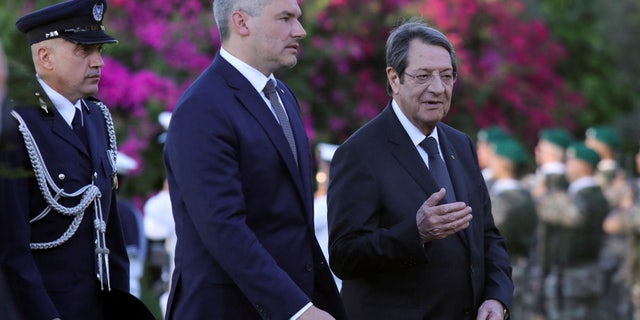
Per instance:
(61,281)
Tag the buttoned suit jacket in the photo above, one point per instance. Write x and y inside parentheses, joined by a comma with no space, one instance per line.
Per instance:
(58,282)
(377,183)
(242,208)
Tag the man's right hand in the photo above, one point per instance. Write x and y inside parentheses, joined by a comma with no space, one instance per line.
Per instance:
(440,221)
(313,313)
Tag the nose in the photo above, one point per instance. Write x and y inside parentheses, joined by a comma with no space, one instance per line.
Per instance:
(436,85)
(298,30)
(96,60)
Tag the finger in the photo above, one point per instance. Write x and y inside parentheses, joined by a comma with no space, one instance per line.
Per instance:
(433,200)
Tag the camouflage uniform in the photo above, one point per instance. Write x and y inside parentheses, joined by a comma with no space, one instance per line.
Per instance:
(515,216)
(573,287)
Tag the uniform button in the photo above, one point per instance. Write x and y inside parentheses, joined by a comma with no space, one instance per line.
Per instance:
(308,267)
(95,175)
(61,176)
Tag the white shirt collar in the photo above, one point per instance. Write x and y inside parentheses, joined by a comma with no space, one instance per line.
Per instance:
(582,183)
(414,133)
(62,104)
(503,185)
(255,77)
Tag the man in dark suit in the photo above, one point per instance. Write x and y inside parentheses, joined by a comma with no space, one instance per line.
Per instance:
(407,243)
(240,189)
(62,249)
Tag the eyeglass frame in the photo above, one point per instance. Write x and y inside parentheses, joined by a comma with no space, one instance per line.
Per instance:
(430,77)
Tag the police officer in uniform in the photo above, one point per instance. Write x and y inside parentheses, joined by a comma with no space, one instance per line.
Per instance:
(65,255)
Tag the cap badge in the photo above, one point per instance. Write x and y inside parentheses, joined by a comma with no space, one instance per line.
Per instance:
(98,11)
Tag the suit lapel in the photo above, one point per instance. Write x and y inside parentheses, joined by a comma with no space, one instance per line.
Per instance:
(406,154)
(251,100)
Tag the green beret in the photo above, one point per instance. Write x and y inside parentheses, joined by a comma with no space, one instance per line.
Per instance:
(558,136)
(580,151)
(492,134)
(604,134)
(512,150)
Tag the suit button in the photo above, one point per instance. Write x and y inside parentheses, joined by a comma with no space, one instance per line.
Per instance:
(61,176)
(308,267)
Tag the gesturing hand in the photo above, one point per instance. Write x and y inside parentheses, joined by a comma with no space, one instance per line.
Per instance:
(440,221)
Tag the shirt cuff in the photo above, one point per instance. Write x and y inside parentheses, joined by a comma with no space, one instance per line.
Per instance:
(299,313)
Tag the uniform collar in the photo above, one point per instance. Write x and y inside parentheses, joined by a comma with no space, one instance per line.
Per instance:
(62,104)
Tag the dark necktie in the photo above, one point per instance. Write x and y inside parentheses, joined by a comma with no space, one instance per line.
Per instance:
(78,127)
(438,168)
(270,91)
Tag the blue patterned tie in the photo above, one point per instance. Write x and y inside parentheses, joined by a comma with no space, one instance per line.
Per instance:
(270,91)
(438,168)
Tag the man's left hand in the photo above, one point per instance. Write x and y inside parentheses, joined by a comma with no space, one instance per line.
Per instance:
(491,310)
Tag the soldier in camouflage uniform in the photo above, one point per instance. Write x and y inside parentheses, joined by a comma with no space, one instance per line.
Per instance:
(485,149)
(625,220)
(573,288)
(515,216)
(612,179)
(548,187)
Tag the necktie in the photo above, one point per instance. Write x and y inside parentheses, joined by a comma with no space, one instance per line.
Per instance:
(270,91)
(437,167)
(78,127)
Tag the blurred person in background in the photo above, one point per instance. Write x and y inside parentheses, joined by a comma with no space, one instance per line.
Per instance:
(7,307)
(324,154)
(132,226)
(515,215)
(486,138)
(624,222)
(159,229)
(613,180)
(573,287)
(548,185)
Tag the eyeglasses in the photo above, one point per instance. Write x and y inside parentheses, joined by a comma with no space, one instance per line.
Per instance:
(447,78)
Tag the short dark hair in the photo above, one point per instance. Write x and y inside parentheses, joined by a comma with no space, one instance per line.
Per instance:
(397,48)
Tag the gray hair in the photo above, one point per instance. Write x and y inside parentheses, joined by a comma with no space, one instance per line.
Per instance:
(398,45)
(222,10)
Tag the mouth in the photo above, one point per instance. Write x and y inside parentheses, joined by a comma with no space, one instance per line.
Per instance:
(433,103)
(293,46)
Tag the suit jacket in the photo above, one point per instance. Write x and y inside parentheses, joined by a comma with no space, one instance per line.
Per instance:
(61,281)
(378,181)
(243,210)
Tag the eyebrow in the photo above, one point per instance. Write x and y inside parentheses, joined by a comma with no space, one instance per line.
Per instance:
(285,13)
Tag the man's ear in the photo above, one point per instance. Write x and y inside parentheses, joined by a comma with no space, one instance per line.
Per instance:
(239,20)
(394,79)
(44,57)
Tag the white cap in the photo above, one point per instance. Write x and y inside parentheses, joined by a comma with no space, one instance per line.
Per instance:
(326,151)
(125,164)
(164,118)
